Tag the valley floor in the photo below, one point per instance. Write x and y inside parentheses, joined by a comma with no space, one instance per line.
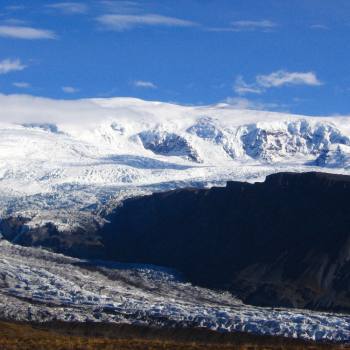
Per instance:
(54,336)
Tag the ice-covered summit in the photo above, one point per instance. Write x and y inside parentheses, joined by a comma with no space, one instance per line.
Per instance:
(60,158)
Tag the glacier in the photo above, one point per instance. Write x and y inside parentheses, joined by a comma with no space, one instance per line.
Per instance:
(72,162)
(37,285)
(69,161)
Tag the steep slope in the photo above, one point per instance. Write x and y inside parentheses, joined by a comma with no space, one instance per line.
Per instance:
(67,162)
(284,242)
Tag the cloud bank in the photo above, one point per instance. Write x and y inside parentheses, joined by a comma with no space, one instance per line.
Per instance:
(30,109)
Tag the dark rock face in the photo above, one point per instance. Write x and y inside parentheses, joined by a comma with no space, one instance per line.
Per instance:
(168,144)
(84,243)
(284,242)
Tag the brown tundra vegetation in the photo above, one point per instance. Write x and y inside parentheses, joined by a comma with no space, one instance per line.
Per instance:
(61,336)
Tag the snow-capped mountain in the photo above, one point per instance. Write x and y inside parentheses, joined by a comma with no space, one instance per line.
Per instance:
(61,160)
(71,162)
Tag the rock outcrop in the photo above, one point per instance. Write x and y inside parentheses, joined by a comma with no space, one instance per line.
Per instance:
(284,242)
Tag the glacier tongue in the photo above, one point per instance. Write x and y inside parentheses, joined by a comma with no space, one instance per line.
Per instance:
(65,160)
(37,285)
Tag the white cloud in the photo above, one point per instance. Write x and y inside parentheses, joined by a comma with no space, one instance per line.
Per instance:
(144,84)
(71,8)
(21,85)
(8,65)
(244,103)
(15,8)
(282,77)
(319,27)
(253,25)
(241,87)
(28,33)
(246,26)
(14,22)
(274,80)
(69,89)
(121,6)
(120,22)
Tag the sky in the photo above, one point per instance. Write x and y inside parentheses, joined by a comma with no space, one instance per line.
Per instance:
(290,55)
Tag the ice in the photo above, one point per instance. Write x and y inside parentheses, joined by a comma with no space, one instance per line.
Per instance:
(43,286)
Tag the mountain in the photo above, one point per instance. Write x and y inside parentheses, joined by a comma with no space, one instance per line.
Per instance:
(284,242)
(70,162)
(144,183)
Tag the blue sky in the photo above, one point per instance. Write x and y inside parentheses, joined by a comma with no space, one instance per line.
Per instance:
(290,55)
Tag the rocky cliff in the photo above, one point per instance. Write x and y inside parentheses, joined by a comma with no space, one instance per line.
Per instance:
(283,242)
